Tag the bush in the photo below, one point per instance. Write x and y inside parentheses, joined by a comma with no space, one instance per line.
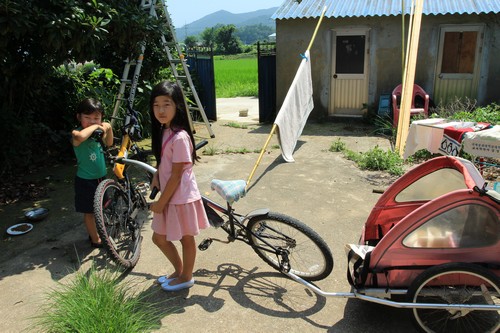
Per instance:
(378,159)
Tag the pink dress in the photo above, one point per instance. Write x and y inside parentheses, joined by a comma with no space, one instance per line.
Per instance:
(184,214)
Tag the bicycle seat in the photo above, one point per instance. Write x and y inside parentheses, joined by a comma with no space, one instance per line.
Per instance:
(229,190)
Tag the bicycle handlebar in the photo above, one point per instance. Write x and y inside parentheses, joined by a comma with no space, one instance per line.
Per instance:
(201,144)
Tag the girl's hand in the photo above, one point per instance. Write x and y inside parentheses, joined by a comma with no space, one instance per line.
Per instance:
(156,207)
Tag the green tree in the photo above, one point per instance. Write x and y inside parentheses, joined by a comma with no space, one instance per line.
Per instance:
(191,41)
(36,37)
(208,36)
(251,34)
(227,41)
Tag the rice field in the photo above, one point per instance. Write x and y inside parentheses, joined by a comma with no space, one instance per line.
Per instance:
(235,77)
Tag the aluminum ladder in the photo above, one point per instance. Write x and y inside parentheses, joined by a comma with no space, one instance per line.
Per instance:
(178,66)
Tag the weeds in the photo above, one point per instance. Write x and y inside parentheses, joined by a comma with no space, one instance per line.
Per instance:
(234,124)
(374,159)
(96,302)
(338,146)
(237,151)
(384,126)
(380,160)
(466,110)
(209,151)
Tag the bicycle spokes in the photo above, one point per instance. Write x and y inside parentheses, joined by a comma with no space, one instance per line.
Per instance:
(265,231)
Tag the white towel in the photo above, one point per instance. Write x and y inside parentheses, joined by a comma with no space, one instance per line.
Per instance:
(296,107)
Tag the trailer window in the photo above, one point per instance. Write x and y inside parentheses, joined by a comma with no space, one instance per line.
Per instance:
(433,185)
(460,227)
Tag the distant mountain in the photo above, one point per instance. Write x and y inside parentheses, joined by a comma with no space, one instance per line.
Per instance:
(262,16)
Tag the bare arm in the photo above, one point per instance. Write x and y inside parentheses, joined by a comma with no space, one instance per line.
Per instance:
(79,136)
(108,134)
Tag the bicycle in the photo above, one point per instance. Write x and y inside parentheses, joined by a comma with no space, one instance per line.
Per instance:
(283,242)
(120,205)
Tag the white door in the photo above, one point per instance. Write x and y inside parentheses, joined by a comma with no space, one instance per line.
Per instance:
(457,74)
(349,80)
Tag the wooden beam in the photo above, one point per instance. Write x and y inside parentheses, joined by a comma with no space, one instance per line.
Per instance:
(409,76)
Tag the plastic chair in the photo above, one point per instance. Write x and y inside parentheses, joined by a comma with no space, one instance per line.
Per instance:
(419,102)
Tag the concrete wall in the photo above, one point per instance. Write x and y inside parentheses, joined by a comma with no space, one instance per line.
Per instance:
(385,71)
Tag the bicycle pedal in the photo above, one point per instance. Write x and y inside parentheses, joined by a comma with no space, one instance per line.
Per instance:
(205,244)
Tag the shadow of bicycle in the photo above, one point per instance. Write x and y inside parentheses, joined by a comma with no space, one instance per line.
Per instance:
(269,293)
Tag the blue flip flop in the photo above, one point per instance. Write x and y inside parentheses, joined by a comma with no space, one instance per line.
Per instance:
(163,279)
(167,287)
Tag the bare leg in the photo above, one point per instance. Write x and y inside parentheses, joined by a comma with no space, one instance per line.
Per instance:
(89,220)
(170,251)
(188,258)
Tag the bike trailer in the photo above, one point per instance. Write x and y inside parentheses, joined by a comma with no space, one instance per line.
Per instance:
(437,213)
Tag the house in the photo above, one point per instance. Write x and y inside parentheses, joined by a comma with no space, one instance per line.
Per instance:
(357,53)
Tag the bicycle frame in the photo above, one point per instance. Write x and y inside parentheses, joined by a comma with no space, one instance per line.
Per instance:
(123,152)
(121,160)
(237,226)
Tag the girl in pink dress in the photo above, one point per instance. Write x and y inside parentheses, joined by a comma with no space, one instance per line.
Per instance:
(179,214)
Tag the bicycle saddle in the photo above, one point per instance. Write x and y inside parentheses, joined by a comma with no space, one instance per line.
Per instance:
(230,190)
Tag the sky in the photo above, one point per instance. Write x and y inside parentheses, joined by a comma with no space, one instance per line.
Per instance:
(187,11)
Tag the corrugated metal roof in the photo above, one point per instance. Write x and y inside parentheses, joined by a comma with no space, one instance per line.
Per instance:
(292,9)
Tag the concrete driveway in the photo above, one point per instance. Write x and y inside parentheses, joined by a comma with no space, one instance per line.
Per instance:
(235,291)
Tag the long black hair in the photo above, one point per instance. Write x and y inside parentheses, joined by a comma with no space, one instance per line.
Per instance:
(180,121)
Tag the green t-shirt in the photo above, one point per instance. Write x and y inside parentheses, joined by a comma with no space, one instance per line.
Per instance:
(90,158)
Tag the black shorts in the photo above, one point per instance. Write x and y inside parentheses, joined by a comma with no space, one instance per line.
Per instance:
(84,194)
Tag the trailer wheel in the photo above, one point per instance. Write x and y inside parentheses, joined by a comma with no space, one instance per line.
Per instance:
(456,283)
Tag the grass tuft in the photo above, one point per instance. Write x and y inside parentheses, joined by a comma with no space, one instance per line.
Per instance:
(375,159)
(234,124)
(97,302)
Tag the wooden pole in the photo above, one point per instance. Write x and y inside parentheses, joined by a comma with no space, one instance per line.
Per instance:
(407,92)
(273,129)
(317,28)
(403,44)
(406,52)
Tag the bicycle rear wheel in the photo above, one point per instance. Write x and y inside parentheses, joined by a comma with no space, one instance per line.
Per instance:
(308,254)
(118,233)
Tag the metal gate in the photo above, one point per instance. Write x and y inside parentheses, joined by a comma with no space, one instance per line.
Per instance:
(201,67)
(266,63)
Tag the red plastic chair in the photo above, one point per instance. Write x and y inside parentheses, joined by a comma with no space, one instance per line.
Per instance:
(415,109)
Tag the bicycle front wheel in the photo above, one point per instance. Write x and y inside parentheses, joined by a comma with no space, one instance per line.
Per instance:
(118,234)
(308,254)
